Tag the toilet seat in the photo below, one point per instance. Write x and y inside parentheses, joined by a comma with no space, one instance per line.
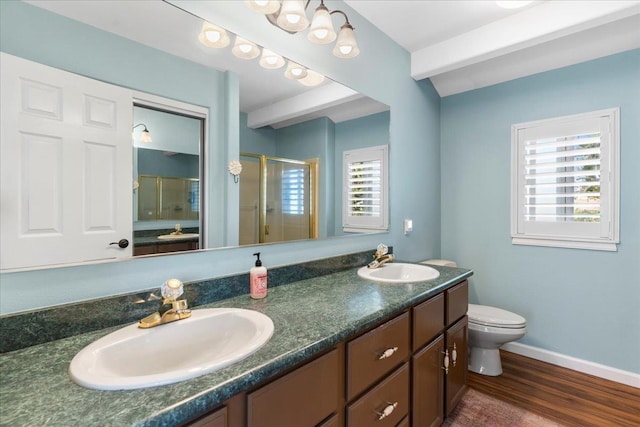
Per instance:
(495,317)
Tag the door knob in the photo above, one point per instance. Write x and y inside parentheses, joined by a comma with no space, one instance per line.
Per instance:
(123,243)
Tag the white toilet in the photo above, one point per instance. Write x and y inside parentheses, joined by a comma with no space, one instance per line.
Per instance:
(489,329)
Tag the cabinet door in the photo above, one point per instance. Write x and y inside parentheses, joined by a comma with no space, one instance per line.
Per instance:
(303,397)
(456,379)
(428,385)
(215,419)
(428,321)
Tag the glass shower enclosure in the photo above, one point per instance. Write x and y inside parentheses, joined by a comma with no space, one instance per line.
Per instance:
(277,199)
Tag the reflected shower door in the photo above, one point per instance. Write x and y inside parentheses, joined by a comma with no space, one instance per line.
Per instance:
(288,201)
(250,201)
(276,200)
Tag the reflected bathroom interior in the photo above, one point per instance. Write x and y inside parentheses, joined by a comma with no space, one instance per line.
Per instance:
(277,199)
(167,197)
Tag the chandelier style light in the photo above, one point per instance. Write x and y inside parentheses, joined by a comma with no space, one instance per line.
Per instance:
(291,16)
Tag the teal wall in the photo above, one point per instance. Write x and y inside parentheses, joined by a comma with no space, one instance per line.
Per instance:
(369,131)
(580,303)
(257,141)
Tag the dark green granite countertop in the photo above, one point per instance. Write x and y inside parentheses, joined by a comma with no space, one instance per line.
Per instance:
(309,316)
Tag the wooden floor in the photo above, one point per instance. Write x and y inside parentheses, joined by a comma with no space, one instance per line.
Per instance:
(562,395)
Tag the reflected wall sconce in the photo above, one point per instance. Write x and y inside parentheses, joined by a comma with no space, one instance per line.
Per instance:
(213,36)
(235,167)
(245,49)
(145,136)
(291,16)
(295,71)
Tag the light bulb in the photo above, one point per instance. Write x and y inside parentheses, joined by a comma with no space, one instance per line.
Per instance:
(271,60)
(295,71)
(245,49)
(321,31)
(346,45)
(292,16)
(213,36)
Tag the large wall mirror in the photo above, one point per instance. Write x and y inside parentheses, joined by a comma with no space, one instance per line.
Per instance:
(297,130)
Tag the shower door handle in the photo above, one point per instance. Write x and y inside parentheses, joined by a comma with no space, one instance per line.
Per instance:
(266,229)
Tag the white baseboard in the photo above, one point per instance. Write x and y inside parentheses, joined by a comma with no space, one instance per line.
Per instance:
(580,365)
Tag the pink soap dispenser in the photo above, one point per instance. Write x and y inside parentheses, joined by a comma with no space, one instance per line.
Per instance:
(258,279)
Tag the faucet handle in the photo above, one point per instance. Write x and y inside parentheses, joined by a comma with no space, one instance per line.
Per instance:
(382,249)
(172,289)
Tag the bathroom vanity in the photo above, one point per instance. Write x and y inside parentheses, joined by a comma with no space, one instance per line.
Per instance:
(389,375)
(345,352)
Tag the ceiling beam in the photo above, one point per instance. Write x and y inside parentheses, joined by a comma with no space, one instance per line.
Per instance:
(543,23)
(322,97)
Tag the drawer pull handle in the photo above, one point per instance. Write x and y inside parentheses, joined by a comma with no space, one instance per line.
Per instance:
(454,355)
(388,353)
(446,361)
(388,410)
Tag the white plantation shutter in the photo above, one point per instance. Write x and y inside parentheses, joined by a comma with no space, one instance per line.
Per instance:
(565,181)
(365,183)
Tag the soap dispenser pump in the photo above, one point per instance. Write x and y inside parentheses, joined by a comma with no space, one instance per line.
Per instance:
(258,279)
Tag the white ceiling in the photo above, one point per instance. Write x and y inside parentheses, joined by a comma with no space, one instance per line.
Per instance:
(459,44)
(463,45)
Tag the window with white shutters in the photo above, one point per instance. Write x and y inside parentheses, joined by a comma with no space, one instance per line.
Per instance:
(565,181)
(365,184)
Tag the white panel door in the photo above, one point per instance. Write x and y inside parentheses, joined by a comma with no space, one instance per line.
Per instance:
(66,166)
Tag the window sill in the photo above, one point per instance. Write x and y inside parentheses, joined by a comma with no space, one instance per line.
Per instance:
(569,244)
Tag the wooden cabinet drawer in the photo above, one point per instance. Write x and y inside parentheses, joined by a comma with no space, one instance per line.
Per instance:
(457,302)
(303,397)
(428,321)
(364,363)
(394,390)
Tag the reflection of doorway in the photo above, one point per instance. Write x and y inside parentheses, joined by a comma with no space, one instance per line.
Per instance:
(168,170)
(277,199)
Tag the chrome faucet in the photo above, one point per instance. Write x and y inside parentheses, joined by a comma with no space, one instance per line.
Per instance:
(171,308)
(381,256)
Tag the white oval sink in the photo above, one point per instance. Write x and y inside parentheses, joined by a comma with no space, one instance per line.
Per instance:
(398,272)
(209,340)
(178,236)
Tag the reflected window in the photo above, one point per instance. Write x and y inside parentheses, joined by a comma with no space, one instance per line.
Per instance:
(293,197)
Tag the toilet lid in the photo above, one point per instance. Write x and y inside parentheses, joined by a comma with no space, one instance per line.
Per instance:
(493,316)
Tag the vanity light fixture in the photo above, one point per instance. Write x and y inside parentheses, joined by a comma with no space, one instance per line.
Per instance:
(213,36)
(295,71)
(245,49)
(270,59)
(145,136)
(291,17)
